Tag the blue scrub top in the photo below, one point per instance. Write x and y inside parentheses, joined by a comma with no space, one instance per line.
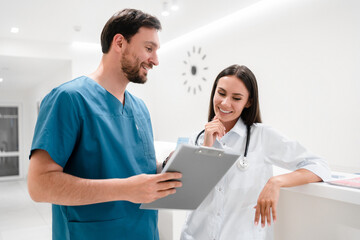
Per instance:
(92,135)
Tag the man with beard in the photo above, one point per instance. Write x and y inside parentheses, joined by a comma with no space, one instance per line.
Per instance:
(92,154)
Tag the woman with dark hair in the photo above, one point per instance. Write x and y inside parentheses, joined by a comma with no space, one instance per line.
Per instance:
(245,199)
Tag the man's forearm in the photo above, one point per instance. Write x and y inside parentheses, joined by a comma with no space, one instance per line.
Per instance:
(64,189)
(48,183)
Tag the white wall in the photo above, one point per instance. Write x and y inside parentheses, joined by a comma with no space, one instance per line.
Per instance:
(78,60)
(305,55)
(27,99)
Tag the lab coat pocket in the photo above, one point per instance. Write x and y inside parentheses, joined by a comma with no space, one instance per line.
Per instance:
(104,230)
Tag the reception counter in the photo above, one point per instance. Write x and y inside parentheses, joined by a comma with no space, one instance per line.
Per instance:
(319,211)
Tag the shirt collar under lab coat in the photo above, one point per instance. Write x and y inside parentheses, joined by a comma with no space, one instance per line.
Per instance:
(238,131)
(239,128)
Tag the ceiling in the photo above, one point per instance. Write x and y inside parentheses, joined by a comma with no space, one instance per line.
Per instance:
(57,21)
(21,73)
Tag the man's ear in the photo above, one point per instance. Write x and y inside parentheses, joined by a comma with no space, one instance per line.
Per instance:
(118,41)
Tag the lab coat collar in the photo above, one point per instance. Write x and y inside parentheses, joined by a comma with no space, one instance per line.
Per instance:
(239,128)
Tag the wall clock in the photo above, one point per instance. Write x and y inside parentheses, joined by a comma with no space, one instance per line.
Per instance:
(195,70)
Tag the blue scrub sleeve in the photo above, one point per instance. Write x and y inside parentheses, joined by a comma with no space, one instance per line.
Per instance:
(57,127)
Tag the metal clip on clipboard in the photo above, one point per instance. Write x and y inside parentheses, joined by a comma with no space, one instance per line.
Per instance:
(210,151)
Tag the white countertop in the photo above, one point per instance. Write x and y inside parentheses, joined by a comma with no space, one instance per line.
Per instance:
(326,190)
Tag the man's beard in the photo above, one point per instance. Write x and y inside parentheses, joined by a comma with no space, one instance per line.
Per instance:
(132,70)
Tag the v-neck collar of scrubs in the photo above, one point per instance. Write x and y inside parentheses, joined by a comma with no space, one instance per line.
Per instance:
(124,108)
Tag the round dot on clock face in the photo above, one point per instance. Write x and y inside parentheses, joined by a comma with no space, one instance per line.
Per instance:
(194,68)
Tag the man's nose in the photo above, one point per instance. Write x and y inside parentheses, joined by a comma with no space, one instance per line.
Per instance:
(154,59)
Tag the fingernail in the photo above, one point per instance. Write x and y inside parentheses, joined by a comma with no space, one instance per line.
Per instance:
(262,225)
(256,223)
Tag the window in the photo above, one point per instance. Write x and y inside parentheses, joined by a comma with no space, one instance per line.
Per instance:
(9,141)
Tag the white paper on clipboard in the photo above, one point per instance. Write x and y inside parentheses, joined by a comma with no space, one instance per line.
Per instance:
(202,168)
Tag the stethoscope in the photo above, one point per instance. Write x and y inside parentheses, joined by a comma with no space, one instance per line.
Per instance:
(242,163)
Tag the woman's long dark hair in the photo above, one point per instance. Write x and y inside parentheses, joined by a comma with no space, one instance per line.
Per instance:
(251,114)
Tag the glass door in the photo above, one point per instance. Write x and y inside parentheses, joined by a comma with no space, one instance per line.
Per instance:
(9,141)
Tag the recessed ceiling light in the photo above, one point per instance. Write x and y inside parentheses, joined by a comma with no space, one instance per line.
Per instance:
(14,30)
(174,5)
(165,12)
(1,80)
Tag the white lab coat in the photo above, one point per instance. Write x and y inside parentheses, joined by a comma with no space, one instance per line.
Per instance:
(227,213)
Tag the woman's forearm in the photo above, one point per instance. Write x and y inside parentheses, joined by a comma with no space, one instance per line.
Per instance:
(295,178)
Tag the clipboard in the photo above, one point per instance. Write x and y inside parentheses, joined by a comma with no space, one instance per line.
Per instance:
(201,168)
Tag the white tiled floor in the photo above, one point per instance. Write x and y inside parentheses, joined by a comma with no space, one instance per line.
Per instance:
(20,217)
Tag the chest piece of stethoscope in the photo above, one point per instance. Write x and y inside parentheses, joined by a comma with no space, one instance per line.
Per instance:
(242,164)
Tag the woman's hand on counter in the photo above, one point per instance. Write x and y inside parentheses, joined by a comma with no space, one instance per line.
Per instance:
(267,202)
